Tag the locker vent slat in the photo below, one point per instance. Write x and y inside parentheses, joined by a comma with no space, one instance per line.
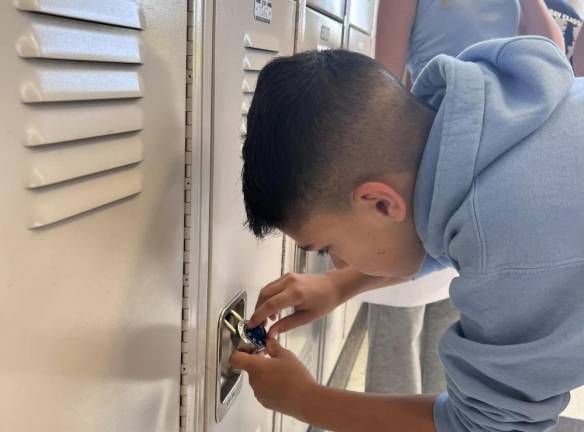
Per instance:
(55,164)
(123,13)
(81,89)
(50,38)
(66,200)
(57,123)
(65,81)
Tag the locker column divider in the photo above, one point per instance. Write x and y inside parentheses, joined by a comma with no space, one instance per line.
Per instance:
(346,24)
(199,63)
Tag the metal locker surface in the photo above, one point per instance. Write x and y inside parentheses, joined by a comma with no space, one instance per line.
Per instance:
(245,39)
(317,31)
(336,8)
(92,126)
(361,14)
(333,341)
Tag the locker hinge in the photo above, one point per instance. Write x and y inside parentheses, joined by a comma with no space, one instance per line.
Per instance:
(186,302)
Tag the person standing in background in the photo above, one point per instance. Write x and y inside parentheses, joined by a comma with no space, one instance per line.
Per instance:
(569,21)
(578,57)
(403,341)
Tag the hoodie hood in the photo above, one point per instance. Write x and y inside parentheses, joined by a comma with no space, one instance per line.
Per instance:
(487,100)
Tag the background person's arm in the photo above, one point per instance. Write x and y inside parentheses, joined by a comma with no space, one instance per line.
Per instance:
(578,56)
(394,25)
(536,19)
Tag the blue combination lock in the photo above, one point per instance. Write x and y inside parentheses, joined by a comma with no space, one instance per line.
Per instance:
(250,340)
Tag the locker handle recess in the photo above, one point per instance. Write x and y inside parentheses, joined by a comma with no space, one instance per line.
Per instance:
(228,379)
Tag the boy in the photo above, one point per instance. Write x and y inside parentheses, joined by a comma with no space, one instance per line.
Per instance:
(483,170)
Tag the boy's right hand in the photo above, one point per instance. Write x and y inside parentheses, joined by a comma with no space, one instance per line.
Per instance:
(311,296)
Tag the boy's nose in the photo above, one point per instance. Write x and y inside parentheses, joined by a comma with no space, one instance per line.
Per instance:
(339,263)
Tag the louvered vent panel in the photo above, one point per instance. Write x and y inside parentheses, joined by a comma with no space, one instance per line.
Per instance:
(260,49)
(81,86)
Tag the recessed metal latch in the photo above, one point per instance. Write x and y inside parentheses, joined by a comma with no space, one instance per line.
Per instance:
(232,335)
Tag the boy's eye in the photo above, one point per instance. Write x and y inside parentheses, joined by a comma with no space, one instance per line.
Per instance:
(323,251)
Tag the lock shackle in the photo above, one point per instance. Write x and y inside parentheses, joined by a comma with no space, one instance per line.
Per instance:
(229,326)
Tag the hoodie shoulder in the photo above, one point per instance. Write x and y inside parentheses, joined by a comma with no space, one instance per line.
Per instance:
(501,106)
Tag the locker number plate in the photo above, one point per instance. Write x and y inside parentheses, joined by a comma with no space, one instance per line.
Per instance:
(263,11)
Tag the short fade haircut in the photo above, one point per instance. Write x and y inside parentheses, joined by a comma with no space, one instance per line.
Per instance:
(320,124)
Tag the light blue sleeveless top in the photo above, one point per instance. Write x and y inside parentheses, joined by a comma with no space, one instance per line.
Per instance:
(450,26)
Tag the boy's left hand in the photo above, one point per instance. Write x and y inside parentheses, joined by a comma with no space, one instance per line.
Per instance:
(280,382)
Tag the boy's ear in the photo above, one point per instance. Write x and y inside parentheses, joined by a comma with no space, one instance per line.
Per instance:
(381,198)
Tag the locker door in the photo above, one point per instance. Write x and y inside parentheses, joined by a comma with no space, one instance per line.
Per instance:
(248,34)
(91,162)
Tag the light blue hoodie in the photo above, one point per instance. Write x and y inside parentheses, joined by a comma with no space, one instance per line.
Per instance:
(500,194)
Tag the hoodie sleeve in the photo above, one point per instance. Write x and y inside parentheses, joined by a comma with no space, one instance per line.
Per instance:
(511,366)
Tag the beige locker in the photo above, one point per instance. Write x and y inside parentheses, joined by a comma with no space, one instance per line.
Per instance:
(247,35)
(91,168)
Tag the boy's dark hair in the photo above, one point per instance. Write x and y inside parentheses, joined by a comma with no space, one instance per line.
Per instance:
(320,124)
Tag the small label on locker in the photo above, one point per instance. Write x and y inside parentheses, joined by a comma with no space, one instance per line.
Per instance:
(263,11)
(325,33)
